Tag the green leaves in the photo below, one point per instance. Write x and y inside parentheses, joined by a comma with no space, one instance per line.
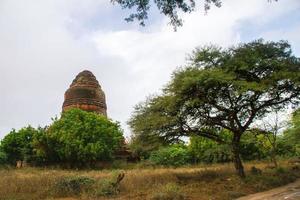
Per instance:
(17,145)
(175,155)
(77,139)
(170,8)
(82,138)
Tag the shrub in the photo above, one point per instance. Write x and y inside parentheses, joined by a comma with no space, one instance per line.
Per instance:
(72,185)
(170,156)
(170,191)
(109,186)
(17,145)
(3,158)
(80,139)
(208,151)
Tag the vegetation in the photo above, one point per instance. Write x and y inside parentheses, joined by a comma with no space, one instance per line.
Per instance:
(72,185)
(3,158)
(168,8)
(81,138)
(208,151)
(213,103)
(169,191)
(77,139)
(17,146)
(195,183)
(291,137)
(176,155)
(222,89)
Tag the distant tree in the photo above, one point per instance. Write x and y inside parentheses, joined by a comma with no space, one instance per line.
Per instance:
(209,151)
(173,155)
(291,136)
(17,145)
(222,89)
(80,138)
(204,150)
(169,8)
(251,148)
(269,134)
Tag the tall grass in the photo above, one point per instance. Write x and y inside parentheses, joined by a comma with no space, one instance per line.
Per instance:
(194,182)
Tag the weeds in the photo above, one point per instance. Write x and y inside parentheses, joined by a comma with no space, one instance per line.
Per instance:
(170,191)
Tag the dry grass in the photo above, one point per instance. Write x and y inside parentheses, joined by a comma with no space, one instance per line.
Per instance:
(195,182)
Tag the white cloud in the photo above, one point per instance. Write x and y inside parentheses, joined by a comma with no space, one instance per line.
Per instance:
(44,44)
(152,56)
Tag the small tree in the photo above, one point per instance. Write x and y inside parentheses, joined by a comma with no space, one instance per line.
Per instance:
(223,89)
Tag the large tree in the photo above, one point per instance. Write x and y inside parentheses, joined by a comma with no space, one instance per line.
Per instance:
(222,89)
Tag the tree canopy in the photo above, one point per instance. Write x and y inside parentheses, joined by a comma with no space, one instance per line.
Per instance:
(169,8)
(222,89)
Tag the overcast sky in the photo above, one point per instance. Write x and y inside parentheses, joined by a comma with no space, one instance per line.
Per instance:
(44,44)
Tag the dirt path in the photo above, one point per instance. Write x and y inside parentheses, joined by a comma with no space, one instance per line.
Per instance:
(288,192)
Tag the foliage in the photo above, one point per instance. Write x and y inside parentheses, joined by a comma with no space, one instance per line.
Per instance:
(169,8)
(17,145)
(222,89)
(110,186)
(3,158)
(80,138)
(252,148)
(208,151)
(175,155)
(291,137)
(77,139)
(73,185)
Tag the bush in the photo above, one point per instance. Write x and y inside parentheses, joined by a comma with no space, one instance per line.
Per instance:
(3,158)
(171,191)
(170,156)
(72,185)
(208,151)
(79,139)
(17,145)
(109,186)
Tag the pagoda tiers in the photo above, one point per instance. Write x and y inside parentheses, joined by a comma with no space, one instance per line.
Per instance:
(86,94)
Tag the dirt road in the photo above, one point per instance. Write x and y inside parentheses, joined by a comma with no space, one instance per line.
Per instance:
(288,192)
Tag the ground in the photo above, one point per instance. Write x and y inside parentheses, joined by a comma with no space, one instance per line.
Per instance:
(201,182)
(289,192)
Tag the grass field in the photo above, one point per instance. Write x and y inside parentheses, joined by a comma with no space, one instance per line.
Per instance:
(190,183)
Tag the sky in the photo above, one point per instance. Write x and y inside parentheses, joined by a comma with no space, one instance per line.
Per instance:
(45,44)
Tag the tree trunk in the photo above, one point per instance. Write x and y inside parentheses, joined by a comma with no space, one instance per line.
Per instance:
(273,158)
(236,156)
